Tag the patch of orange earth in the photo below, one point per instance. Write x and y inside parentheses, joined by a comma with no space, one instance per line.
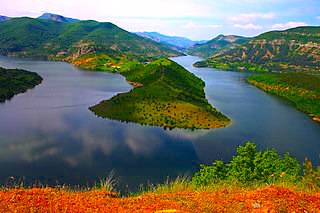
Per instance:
(316,119)
(135,84)
(270,199)
(80,62)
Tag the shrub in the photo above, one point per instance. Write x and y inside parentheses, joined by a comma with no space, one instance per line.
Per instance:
(311,175)
(248,166)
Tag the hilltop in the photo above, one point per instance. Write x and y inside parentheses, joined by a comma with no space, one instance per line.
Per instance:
(294,49)
(220,42)
(56,17)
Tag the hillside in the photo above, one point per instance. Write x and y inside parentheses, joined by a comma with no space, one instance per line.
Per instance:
(14,81)
(295,49)
(166,95)
(220,42)
(174,42)
(52,40)
(55,17)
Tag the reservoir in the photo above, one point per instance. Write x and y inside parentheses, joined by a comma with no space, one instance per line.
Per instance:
(48,134)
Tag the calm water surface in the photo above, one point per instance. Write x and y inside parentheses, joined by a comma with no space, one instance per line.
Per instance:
(49,135)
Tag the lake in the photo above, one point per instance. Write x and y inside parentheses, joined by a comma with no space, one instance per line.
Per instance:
(48,135)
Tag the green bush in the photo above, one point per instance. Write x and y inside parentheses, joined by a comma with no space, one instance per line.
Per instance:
(248,166)
(311,175)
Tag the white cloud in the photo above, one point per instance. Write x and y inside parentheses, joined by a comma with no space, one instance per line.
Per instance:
(249,17)
(318,17)
(288,25)
(192,25)
(248,26)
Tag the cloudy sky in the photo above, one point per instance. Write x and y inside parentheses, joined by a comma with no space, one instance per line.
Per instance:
(195,19)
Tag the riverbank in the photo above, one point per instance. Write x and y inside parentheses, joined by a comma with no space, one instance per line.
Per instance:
(302,90)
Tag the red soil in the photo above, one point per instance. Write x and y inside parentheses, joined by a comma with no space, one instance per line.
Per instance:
(270,199)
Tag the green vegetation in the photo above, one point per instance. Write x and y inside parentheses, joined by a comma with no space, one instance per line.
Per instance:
(290,50)
(166,95)
(250,167)
(217,44)
(46,39)
(301,89)
(232,66)
(14,81)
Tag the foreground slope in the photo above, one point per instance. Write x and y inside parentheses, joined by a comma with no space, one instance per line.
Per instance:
(295,49)
(269,199)
(166,95)
(14,81)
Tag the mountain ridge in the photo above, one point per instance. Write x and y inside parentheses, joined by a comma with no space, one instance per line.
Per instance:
(4,18)
(175,42)
(64,41)
(220,42)
(58,18)
(295,49)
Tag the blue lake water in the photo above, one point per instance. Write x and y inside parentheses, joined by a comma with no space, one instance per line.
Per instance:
(48,134)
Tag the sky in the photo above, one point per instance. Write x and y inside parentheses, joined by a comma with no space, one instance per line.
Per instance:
(194,19)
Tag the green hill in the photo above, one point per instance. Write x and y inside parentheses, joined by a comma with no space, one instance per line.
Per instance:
(290,50)
(213,46)
(47,39)
(166,95)
(14,81)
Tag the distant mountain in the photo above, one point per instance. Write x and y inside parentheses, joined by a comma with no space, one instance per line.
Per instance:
(58,18)
(222,41)
(175,42)
(4,18)
(294,49)
(40,38)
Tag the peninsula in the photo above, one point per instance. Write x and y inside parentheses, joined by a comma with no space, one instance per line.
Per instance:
(15,81)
